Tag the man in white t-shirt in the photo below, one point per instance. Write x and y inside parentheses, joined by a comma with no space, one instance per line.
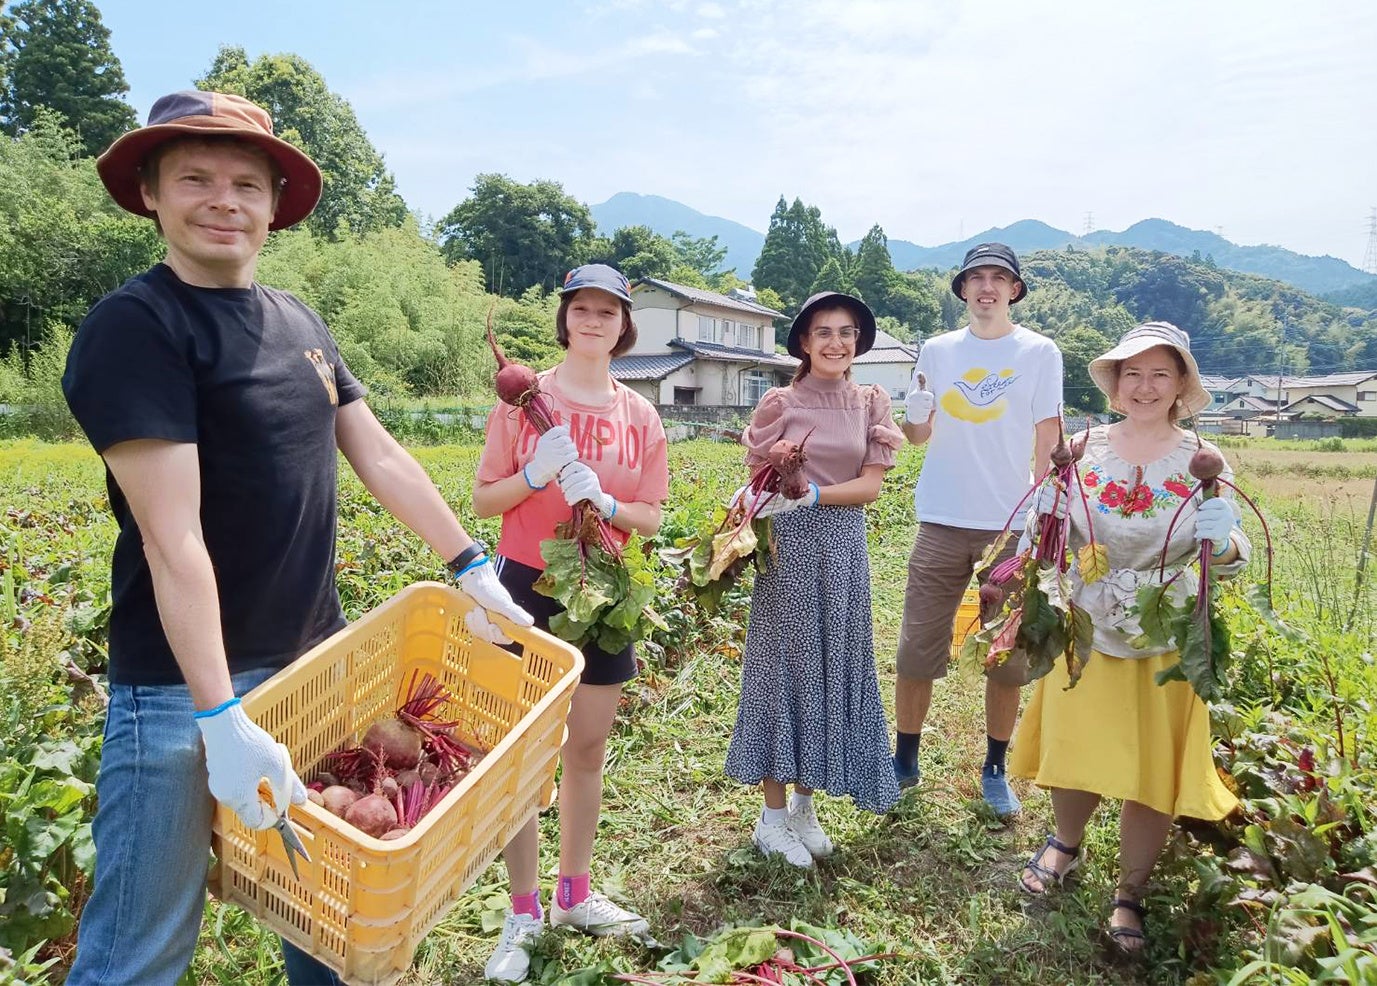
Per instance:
(986,399)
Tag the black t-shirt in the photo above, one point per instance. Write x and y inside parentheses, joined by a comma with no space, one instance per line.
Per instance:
(252,377)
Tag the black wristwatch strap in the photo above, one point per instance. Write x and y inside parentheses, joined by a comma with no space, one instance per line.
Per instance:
(459,561)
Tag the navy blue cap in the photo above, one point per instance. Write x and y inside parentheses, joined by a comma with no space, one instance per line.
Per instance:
(990,255)
(598,276)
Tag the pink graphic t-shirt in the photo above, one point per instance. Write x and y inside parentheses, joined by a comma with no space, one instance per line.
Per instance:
(622,440)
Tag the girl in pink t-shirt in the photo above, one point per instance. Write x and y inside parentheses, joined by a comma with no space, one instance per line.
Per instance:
(609,448)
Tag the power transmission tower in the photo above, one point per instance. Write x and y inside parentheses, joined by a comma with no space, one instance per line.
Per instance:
(1370,257)
(1089,224)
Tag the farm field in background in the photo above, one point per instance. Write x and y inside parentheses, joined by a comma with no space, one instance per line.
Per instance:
(932,881)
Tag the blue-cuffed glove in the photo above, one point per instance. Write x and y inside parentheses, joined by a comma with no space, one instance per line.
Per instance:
(240,753)
(1214,519)
(553,451)
(778,503)
(480,583)
(579,482)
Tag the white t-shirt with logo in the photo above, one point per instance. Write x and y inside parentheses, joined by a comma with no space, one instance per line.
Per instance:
(990,394)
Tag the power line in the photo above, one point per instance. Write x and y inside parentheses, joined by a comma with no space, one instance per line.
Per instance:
(1370,257)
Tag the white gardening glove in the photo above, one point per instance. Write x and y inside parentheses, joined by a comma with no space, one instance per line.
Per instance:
(1025,541)
(771,504)
(919,405)
(1050,500)
(553,451)
(1214,519)
(480,583)
(579,482)
(240,753)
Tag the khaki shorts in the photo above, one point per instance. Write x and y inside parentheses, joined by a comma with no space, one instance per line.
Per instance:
(939,570)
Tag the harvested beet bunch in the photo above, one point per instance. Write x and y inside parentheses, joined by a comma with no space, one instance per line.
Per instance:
(713,559)
(404,765)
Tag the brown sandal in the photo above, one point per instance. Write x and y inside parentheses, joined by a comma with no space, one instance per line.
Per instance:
(1049,877)
(1129,941)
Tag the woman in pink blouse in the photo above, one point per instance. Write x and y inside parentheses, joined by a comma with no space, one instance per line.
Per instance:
(810,712)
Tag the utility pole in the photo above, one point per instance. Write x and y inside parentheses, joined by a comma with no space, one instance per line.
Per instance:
(1370,257)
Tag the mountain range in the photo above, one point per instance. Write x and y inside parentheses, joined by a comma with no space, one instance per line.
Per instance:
(1317,275)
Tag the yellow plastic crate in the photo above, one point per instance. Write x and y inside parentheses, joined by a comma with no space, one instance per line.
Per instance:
(362,905)
(967,619)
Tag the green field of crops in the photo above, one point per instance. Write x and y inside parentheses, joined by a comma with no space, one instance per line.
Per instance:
(1283,893)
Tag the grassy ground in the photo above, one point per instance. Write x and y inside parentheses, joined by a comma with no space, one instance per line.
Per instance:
(932,880)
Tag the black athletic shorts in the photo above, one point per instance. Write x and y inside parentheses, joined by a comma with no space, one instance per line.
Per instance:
(600,667)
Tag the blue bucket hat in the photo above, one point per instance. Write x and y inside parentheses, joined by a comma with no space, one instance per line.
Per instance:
(598,276)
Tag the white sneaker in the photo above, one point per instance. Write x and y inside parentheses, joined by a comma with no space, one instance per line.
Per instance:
(804,823)
(598,916)
(511,959)
(777,837)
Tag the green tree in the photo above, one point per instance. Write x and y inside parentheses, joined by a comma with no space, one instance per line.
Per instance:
(522,235)
(797,246)
(56,53)
(636,251)
(700,253)
(874,267)
(358,191)
(831,278)
(1080,345)
(63,243)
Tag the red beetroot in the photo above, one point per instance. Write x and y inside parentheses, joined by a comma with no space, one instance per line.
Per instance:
(396,743)
(373,815)
(518,386)
(338,799)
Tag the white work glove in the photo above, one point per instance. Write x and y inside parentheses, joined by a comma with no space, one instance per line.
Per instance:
(553,451)
(579,482)
(771,504)
(1050,500)
(480,583)
(240,753)
(918,406)
(1025,541)
(1214,519)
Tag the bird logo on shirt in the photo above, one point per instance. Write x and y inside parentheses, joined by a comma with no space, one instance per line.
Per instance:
(978,396)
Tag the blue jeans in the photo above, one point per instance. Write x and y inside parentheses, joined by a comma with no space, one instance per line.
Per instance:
(152,836)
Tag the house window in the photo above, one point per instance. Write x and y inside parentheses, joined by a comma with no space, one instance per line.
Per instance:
(747,336)
(707,329)
(685,395)
(1367,395)
(728,333)
(754,383)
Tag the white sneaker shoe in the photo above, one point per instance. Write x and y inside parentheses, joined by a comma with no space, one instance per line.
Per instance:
(804,823)
(777,837)
(511,959)
(598,916)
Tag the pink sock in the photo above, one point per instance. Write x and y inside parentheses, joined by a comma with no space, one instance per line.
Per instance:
(573,890)
(527,904)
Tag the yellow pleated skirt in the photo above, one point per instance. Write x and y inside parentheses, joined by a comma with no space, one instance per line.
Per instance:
(1119,734)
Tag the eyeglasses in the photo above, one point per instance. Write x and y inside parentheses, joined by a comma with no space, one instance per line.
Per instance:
(847,334)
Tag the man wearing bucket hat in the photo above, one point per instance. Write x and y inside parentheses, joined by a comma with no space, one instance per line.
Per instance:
(218,406)
(986,399)
(1124,732)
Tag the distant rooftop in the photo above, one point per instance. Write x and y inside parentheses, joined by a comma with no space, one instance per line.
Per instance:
(707,297)
(653,367)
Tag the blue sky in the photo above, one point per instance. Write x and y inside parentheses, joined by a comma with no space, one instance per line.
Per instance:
(935,118)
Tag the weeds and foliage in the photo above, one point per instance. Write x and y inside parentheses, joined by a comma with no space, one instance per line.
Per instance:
(1281,893)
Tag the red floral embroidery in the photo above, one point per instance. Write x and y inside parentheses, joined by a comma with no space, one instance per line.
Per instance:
(1177,487)
(1091,479)
(1112,495)
(1139,499)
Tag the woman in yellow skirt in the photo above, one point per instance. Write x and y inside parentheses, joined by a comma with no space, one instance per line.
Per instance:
(1118,734)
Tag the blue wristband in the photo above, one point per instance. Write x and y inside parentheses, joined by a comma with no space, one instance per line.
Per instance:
(1223,547)
(480,560)
(526,476)
(614,508)
(207,713)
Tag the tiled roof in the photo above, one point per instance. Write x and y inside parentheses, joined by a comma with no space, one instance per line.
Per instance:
(1331,379)
(889,354)
(707,297)
(734,354)
(1325,400)
(1258,405)
(656,366)
(1211,382)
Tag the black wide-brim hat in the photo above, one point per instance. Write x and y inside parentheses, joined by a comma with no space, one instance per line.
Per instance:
(832,299)
(990,255)
(195,113)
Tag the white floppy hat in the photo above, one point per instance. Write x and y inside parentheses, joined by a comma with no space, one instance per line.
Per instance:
(1104,370)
